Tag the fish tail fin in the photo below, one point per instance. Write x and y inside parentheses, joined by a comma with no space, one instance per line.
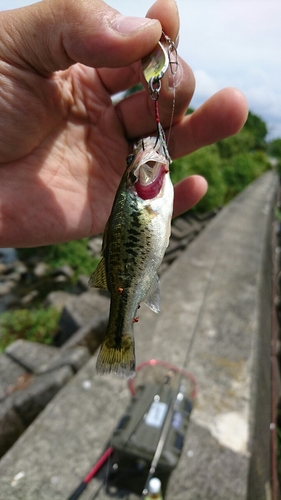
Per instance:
(117,358)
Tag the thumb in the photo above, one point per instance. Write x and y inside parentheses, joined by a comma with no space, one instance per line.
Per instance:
(53,34)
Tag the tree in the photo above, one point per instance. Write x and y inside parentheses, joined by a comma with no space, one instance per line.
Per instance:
(274,148)
(205,162)
(257,127)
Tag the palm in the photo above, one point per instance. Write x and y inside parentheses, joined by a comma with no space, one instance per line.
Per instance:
(63,144)
(63,179)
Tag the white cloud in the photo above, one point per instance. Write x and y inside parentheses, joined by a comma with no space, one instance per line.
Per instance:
(205,84)
(226,43)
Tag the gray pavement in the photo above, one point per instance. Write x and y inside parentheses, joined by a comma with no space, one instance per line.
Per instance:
(215,319)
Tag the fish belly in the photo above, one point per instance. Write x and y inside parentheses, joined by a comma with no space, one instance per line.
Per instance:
(137,237)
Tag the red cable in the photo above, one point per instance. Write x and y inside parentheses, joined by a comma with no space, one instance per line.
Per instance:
(79,490)
(98,465)
(157,117)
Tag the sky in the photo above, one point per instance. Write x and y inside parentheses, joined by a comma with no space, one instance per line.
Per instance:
(233,43)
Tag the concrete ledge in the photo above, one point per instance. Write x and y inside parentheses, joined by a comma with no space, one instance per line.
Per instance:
(216,305)
(216,302)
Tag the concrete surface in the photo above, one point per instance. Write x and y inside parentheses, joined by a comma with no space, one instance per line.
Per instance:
(215,318)
(30,375)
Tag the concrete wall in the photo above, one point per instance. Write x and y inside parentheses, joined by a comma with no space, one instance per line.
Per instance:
(216,315)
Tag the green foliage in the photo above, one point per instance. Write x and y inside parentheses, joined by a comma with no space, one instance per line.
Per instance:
(244,141)
(228,166)
(205,162)
(278,168)
(74,253)
(274,148)
(241,170)
(257,127)
(35,325)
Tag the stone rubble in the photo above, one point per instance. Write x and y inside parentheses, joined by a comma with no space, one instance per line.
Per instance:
(31,373)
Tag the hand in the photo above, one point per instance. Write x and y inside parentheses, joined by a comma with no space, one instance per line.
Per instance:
(63,144)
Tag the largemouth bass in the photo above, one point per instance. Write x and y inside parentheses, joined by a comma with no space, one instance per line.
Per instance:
(135,239)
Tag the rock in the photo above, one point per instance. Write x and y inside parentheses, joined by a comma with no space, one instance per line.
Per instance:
(83,282)
(31,355)
(61,278)
(8,255)
(65,270)
(6,287)
(10,371)
(80,310)
(75,358)
(95,245)
(11,276)
(11,426)
(3,268)
(7,300)
(182,228)
(20,267)
(57,299)
(90,335)
(41,269)
(29,297)
(29,403)
(21,384)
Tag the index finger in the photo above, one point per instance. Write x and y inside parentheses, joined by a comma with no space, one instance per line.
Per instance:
(119,79)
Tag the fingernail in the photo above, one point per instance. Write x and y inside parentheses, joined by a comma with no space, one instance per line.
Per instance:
(125,25)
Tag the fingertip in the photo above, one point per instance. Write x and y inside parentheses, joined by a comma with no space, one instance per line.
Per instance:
(188,192)
(167,13)
(231,102)
(221,116)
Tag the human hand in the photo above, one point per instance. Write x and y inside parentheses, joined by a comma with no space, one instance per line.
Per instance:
(63,144)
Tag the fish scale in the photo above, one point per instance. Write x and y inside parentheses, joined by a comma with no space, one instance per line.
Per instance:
(135,239)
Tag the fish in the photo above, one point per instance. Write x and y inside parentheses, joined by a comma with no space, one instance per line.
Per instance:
(134,242)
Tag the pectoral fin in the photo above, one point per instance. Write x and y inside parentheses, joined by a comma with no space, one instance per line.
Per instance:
(98,278)
(152,296)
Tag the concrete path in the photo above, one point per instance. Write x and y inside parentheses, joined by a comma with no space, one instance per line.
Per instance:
(215,318)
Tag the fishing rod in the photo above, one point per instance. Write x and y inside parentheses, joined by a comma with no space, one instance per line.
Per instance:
(82,486)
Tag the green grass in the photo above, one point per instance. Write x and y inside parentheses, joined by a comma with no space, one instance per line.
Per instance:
(35,325)
(73,253)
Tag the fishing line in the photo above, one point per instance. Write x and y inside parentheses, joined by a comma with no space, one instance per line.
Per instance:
(172,51)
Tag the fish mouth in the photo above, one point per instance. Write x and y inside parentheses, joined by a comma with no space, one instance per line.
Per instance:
(150,179)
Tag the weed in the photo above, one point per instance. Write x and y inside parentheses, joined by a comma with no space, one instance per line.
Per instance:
(35,325)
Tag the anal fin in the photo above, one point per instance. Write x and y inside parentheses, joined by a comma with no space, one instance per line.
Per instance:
(152,296)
